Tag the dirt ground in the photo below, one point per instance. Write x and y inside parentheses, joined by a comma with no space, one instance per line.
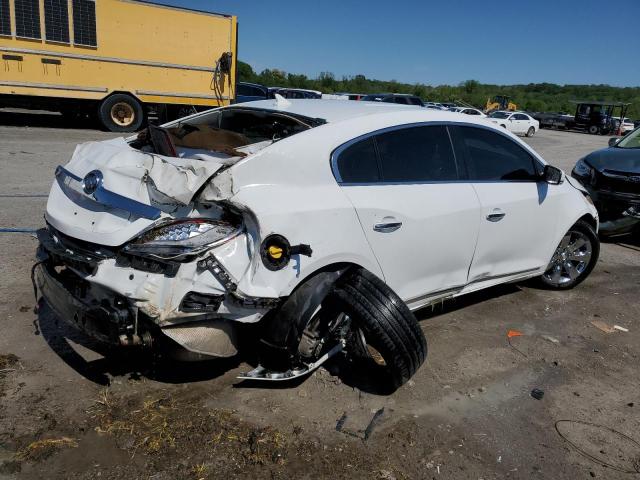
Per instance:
(70,410)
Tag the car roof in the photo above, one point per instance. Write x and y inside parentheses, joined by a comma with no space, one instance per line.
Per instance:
(333,111)
(330,110)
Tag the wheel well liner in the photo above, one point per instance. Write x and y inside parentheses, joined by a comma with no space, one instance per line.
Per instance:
(283,327)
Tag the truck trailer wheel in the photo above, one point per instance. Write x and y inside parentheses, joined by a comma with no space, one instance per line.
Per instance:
(385,341)
(121,113)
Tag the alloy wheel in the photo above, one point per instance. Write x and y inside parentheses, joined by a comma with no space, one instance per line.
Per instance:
(570,259)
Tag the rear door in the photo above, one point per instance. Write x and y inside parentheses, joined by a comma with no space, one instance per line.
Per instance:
(518,219)
(421,222)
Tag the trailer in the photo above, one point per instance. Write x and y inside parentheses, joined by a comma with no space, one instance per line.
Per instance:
(119,60)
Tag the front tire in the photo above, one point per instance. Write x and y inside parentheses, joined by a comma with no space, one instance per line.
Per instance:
(574,258)
(594,130)
(121,113)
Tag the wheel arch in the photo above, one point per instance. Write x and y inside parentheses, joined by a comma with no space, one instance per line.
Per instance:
(123,92)
(590,219)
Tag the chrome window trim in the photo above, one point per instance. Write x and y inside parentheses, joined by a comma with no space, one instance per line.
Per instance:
(338,150)
(73,187)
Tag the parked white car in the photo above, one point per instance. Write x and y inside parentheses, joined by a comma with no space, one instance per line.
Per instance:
(468,111)
(627,124)
(322,224)
(516,122)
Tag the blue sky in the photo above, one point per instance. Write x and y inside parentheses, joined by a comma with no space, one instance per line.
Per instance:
(447,41)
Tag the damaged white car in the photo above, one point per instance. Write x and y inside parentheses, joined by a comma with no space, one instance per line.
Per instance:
(323,224)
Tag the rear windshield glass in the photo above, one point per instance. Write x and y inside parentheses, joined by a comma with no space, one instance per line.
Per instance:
(227,129)
(499,115)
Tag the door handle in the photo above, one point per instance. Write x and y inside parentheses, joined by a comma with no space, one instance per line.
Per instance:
(387,227)
(496,215)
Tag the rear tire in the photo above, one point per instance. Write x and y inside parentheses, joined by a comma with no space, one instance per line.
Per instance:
(386,343)
(594,130)
(121,113)
(531,132)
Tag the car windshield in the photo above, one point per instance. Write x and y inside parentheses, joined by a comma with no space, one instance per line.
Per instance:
(631,140)
(499,115)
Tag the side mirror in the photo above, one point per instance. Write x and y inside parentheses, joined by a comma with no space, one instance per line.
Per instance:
(552,175)
(613,141)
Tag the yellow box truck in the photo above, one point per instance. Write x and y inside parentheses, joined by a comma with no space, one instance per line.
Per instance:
(118,59)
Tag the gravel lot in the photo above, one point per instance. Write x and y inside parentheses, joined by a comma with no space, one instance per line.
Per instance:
(69,409)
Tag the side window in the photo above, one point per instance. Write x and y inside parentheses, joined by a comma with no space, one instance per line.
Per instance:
(401,100)
(472,112)
(520,116)
(492,156)
(417,154)
(358,163)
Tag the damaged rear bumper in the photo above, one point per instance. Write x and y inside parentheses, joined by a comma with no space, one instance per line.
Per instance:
(125,300)
(115,323)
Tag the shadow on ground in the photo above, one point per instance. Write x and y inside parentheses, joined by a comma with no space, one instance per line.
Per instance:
(117,362)
(156,365)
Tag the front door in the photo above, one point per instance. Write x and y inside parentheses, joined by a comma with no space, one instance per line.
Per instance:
(518,220)
(421,222)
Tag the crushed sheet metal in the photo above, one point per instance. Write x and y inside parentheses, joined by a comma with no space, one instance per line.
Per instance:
(135,174)
(261,373)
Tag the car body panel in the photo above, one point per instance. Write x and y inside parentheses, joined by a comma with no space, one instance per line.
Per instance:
(443,236)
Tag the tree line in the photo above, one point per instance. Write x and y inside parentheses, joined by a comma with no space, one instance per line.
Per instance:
(535,97)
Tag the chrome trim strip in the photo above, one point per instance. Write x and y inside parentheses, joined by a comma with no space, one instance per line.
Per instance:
(432,297)
(97,58)
(181,95)
(504,275)
(53,86)
(73,188)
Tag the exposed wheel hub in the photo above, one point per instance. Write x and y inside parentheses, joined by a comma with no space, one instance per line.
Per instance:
(122,114)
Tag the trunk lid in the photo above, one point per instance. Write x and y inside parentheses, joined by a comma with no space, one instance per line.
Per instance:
(109,192)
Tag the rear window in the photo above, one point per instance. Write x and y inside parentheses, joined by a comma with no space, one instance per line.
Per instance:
(358,163)
(227,129)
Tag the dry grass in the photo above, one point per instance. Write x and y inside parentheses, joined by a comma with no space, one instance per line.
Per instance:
(161,425)
(41,449)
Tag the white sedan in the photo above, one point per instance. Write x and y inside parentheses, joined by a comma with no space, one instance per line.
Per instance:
(316,227)
(517,122)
